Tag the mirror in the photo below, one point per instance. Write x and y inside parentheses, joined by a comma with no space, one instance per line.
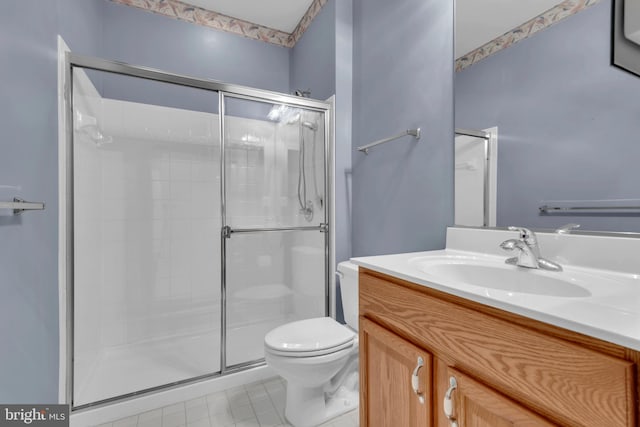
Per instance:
(568,120)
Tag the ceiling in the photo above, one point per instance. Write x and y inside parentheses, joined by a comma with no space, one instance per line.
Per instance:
(282,15)
(480,21)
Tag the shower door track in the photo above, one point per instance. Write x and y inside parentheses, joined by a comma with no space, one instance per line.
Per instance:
(222,89)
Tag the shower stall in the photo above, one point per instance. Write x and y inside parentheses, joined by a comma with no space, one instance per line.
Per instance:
(197,218)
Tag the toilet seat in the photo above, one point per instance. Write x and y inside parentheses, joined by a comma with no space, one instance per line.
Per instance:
(309,337)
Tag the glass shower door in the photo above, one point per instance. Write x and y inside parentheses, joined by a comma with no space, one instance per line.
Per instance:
(274,221)
(147,299)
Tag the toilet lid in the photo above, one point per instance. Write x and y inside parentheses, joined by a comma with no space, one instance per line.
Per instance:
(310,335)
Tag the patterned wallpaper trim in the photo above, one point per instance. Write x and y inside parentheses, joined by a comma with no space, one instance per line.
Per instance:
(306,20)
(196,15)
(529,28)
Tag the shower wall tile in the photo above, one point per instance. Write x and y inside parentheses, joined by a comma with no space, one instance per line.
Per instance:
(161,169)
(145,192)
(202,171)
(180,169)
(113,333)
(262,172)
(160,190)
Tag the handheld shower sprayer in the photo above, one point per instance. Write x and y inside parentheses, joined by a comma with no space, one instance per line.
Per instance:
(306,205)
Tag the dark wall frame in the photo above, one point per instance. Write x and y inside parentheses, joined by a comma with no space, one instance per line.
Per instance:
(625,54)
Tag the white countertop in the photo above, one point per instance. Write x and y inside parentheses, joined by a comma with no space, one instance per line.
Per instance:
(609,309)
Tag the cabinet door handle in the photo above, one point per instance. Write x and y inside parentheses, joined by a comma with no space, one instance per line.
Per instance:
(415,380)
(448,402)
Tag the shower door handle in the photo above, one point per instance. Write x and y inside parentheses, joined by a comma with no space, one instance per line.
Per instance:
(448,402)
(415,380)
(228,231)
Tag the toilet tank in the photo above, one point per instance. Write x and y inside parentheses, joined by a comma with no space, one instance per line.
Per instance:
(348,273)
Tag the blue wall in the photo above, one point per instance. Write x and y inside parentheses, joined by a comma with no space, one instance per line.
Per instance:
(343,131)
(567,121)
(29,161)
(142,38)
(313,58)
(403,78)
(28,273)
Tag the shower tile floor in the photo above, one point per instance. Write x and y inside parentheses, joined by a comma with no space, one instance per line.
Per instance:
(259,404)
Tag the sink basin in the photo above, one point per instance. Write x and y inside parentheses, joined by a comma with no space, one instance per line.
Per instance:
(498,276)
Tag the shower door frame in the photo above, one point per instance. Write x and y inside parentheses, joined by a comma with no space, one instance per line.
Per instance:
(222,90)
(227,231)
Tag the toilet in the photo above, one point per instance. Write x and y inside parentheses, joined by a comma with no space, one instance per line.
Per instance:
(319,359)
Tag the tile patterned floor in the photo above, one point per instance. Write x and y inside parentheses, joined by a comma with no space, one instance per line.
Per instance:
(259,404)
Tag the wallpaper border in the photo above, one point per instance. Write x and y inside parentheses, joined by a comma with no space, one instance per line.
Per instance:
(550,17)
(196,15)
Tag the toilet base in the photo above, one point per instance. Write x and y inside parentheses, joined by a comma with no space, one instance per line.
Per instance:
(311,406)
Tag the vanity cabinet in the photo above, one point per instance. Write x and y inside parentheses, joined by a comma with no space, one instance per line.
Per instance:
(474,404)
(397,387)
(509,370)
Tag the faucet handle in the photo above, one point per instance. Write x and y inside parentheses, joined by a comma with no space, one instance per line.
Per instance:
(525,233)
(510,245)
(566,229)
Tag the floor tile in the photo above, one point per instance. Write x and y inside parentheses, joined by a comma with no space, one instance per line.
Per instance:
(150,415)
(263,405)
(153,422)
(170,409)
(174,419)
(242,412)
(259,404)
(218,406)
(251,422)
(221,419)
(196,413)
(195,402)
(269,418)
(126,422)
(205,422)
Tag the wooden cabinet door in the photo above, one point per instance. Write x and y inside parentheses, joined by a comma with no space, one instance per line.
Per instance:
(388,367)
(476,405)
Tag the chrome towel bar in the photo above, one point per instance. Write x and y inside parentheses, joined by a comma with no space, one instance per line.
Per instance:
(611,206)
(474,133)
(412,132)
(18,205)
(547,209)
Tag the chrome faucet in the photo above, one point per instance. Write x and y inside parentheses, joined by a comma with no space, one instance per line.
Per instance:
(528,251)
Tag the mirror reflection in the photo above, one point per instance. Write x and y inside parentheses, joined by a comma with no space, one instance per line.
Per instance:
(539,82)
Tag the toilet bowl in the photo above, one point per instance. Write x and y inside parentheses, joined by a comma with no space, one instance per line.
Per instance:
(319,360)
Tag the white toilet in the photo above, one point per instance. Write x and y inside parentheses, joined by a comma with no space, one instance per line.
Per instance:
(319,359)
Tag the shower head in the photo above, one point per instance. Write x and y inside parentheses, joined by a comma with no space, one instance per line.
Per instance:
(302,93)
(310,125)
